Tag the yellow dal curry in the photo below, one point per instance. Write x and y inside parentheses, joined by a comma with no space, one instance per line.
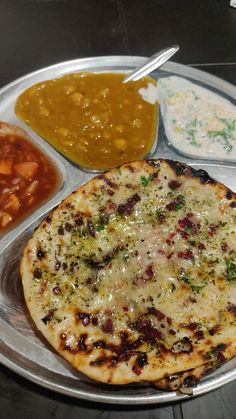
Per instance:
(92,118)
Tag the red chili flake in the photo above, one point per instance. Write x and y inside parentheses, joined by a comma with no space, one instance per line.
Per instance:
(175,205)
(201,246)
(57,265)
(91,228)
(192,299)
(46,319)
(84,317)
(95,321)
(169,242)
(161,218)
(57,290)
(214,330)
(108,326)
(108,311)
(89,281)
(136,369)
(170,255)
(172,332)
(121,209)
(133,199)
(184,235)
(68,227)
(224,247)
(171,206)
(174,184)
(161,252)
(185,255)
(169,320)
(190,326)
(79,221)
(149,271)
(157,313)
(37,273)
(110,192)
(220,358)
(81,342)
(63,336)
(111,206)
(185,222)
(151,334)
(232,309)
(60,231)
(125,309)
(212,230)
(199,334)
(109,182)
(129,208)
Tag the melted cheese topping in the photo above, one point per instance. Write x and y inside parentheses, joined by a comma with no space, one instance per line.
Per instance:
(198,122)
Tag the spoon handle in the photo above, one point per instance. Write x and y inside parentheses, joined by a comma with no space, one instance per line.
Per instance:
(151,64)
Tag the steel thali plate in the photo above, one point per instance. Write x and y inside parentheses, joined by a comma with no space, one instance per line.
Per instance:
(22,348)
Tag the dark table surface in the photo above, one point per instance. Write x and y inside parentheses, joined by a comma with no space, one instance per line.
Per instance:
(35,34)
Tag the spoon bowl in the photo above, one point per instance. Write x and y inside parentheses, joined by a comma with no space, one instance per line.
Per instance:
(156,61)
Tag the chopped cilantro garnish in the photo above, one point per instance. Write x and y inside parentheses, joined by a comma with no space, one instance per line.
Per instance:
(197,288)
(226,134)
(146,180)
(213,134)
(126,257)
(230,270)
(194,122)
(180,202)
(191,131)
(184,277)
(188,229)
(100,227)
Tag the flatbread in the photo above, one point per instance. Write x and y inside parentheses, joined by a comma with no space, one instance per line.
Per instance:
(132,278)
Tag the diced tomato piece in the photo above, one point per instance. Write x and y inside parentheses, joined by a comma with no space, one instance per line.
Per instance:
(12,204)
(5,167)
(27,170)
(6,218)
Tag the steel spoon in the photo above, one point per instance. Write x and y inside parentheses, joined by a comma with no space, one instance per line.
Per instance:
(152,63)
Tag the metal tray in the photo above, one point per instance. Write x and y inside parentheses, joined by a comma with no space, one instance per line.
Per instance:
(22,348)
